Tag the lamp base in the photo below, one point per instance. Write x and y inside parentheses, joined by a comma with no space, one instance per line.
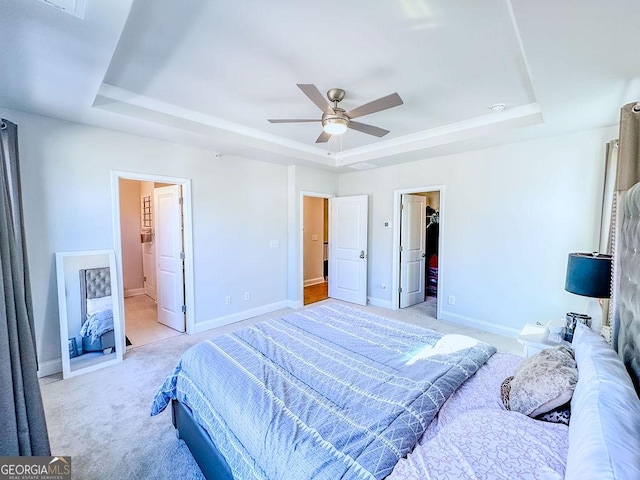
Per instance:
(594,310)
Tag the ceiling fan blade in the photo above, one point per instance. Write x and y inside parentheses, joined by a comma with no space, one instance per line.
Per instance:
(311,91)
(292,120)
(370,129)
(383,103)
(324,137)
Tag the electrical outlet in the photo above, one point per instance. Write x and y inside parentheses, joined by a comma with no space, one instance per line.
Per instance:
(452,300)
(247,296)
(227,299)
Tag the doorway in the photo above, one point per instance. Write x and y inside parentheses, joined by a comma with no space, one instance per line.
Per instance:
(152,235)
(315,248)
(417,239)
(346,223)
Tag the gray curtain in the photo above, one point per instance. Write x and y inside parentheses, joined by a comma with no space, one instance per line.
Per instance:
(627,175)
(23,429)
(629,149)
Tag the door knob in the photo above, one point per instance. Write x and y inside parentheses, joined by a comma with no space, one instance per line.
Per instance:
(424,255)
(362,255)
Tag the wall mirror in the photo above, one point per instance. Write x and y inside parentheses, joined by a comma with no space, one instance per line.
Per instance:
(88,300)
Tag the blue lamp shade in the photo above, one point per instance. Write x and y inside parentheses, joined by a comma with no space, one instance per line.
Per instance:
(589,274)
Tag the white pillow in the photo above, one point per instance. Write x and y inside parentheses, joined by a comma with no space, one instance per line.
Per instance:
(604,432)
(95,305)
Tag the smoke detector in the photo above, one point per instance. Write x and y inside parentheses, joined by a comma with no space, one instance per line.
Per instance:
(72,7)
(497,107)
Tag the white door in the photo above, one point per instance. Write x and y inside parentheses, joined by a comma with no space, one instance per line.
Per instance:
(348,248)
(169,256)
(148,257)
(412,249)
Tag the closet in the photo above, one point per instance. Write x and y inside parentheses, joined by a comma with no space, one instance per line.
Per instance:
(431,265)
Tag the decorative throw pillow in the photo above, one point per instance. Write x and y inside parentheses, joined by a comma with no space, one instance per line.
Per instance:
(543,382)
(505,388)
(559,415)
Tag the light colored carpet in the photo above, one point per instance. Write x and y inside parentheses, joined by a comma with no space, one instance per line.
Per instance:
(101,419)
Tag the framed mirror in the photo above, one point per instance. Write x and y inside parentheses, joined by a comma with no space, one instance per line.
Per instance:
(88,301)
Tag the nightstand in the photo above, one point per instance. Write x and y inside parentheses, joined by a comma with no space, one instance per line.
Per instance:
(535,338)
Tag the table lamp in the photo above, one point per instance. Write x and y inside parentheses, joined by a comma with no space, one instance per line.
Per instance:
(589,275)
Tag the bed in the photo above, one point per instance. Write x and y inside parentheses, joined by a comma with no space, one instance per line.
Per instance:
(96,309)
(334,392)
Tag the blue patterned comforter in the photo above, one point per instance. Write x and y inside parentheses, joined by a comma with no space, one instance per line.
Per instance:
(328,392)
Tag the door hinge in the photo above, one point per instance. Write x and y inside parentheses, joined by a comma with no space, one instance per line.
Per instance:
(181,255)
(144,279)
(400,290)
(402,206)
(184,309)
(180,200)
(400,247)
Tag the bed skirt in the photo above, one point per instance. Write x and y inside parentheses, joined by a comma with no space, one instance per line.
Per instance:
(207,456)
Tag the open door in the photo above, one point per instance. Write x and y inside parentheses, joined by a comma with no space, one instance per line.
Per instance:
(412,249)
(348,248)
(169,257)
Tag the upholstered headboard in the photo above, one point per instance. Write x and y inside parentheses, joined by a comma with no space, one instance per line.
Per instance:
(627,325)
(94,283)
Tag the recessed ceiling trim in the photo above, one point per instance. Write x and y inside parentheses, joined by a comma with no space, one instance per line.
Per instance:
(130,103)
(524,115)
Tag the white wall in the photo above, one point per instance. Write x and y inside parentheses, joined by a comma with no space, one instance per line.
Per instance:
(239,206)
(130,212)
(510,215)
(313,240)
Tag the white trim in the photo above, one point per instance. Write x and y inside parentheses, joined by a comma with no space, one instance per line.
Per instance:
(189,283)
(239,316)
(395,257)
(378,302)
(303,194)
(313,281)
(480,324)
(50,367)
(134,292)
(118,323)
(295,304)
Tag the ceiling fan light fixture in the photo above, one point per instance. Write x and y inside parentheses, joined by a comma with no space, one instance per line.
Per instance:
(335,126)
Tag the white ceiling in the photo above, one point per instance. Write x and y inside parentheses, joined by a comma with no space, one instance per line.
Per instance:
(209,73)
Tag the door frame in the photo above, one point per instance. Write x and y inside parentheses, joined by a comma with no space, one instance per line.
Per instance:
(189,283)
(395,262)
(301,237)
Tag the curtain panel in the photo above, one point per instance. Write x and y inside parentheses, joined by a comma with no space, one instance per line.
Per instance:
(23,429)
(629,155)
(627,174)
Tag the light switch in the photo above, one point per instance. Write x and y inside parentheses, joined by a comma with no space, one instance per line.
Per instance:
(274,244)
(314,238)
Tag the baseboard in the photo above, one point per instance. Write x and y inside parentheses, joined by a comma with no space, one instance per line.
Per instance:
(238,317)
(295,304)
(378,302)
(313,281)
(49,368)
(479,324)
(132,292)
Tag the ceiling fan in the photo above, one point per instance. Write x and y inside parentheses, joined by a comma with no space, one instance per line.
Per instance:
(336,120)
